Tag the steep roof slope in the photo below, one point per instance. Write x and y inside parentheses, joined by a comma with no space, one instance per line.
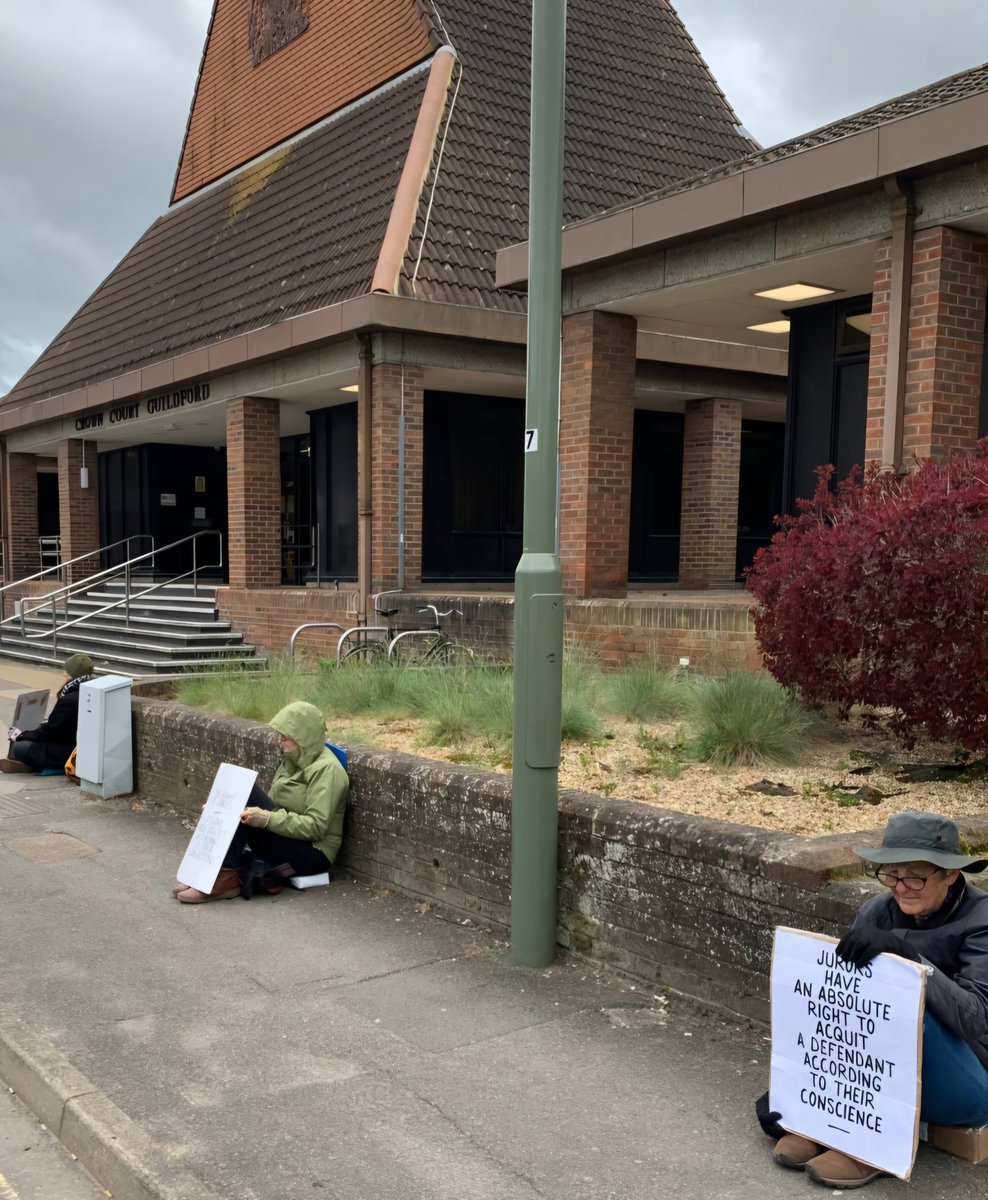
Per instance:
(642,111)
(301,228)
(964,84)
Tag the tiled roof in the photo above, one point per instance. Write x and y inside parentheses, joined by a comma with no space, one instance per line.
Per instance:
(934,95)
(302,228)
(642,110)
(298,231)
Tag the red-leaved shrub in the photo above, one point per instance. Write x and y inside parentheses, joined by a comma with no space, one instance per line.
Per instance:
(876,594)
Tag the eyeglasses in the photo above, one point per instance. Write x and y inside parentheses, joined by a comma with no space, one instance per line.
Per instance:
(912,883)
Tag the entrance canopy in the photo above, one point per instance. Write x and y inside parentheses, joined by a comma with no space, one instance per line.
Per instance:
(688,262)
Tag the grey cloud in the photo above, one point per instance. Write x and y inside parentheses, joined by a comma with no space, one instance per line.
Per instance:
(95,95)
(789,66)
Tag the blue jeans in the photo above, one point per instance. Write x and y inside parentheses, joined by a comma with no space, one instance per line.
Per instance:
(955,1084)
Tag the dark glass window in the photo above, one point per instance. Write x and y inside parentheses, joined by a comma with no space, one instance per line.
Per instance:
(759,488)
(473,486)
(656,496)
(334,491)
(298,545)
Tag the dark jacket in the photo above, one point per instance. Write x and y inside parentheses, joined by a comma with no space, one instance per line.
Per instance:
(954,941)
(59,731)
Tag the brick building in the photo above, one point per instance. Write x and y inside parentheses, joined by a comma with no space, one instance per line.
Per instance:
(318,349)
(860,249)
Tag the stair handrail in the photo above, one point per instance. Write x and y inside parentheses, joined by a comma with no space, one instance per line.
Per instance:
(79,585)
(78,558)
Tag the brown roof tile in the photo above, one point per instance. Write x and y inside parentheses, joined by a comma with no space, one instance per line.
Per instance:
(642,110)
(972,82)
(302,228)
(298,231)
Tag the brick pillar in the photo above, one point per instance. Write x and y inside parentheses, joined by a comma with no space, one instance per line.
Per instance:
(397,387)
(881,297)
(253,449)
(711,468)
(595,436)
(78,507)
(946,342)
(21,507)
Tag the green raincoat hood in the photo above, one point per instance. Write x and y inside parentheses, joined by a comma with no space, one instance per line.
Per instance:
(304,724)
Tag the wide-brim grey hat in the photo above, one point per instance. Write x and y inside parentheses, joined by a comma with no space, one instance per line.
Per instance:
(921,837)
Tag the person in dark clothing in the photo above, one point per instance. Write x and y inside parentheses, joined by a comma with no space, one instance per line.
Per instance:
(47,747)
(932,915)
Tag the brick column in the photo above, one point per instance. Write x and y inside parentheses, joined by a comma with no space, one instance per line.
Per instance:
(78,507)
(711,468)
(253,449)
(595,437)
(397,387)
(881,297)
(946,342)
(21,509)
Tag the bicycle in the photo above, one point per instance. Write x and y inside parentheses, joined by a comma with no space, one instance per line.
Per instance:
(427,646)
(439,651)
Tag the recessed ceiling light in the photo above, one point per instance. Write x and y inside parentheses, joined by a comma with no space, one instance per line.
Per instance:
(350,387)
(792,292)
(861,322)
(772,326)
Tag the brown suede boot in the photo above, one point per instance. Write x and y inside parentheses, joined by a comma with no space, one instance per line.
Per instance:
(227,886)
(836,1170)
(10,766)
(794,1151)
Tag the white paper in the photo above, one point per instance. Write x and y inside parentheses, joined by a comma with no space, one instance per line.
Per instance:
(212,835)
(847,1050)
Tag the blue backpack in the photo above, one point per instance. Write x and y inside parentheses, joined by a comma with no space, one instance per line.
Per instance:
(339,752)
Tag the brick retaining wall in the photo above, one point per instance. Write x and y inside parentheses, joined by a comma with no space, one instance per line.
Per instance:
(671,899)
(712,632)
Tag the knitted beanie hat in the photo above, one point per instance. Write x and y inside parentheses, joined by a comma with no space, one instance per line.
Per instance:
(78,664)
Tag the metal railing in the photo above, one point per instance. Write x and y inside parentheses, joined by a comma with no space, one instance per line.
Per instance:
(60,567)
(311,625)
(66,593)
(50,551)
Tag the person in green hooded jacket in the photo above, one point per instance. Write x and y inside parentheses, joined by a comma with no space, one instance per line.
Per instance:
(301,822)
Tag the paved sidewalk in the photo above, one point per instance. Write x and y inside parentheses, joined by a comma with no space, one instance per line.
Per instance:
(340,1043)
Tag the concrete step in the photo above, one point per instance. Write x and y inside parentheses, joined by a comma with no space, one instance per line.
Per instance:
(141,629)
(72,641)
(135,666)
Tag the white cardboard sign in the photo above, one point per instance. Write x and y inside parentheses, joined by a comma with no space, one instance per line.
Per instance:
(212,835)
(847,1050)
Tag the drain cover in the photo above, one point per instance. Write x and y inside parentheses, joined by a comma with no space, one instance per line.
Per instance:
(19,806)
(50,847)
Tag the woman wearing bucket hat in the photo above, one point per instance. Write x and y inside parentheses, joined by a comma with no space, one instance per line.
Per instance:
(47,747)
(932,915)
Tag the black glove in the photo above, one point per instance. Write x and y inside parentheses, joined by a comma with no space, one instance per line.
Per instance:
(859,946)
(768,1120)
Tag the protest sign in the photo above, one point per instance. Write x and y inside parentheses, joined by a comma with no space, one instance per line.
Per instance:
(29,711)
(212,835)
(847,1050)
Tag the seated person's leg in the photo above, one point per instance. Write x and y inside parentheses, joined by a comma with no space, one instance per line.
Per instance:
(955,1084)
(31,754)
(274,848)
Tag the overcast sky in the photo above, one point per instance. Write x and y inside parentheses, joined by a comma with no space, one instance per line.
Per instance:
(94,96)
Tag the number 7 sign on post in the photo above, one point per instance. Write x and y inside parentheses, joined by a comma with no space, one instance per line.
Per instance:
(847,1050)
